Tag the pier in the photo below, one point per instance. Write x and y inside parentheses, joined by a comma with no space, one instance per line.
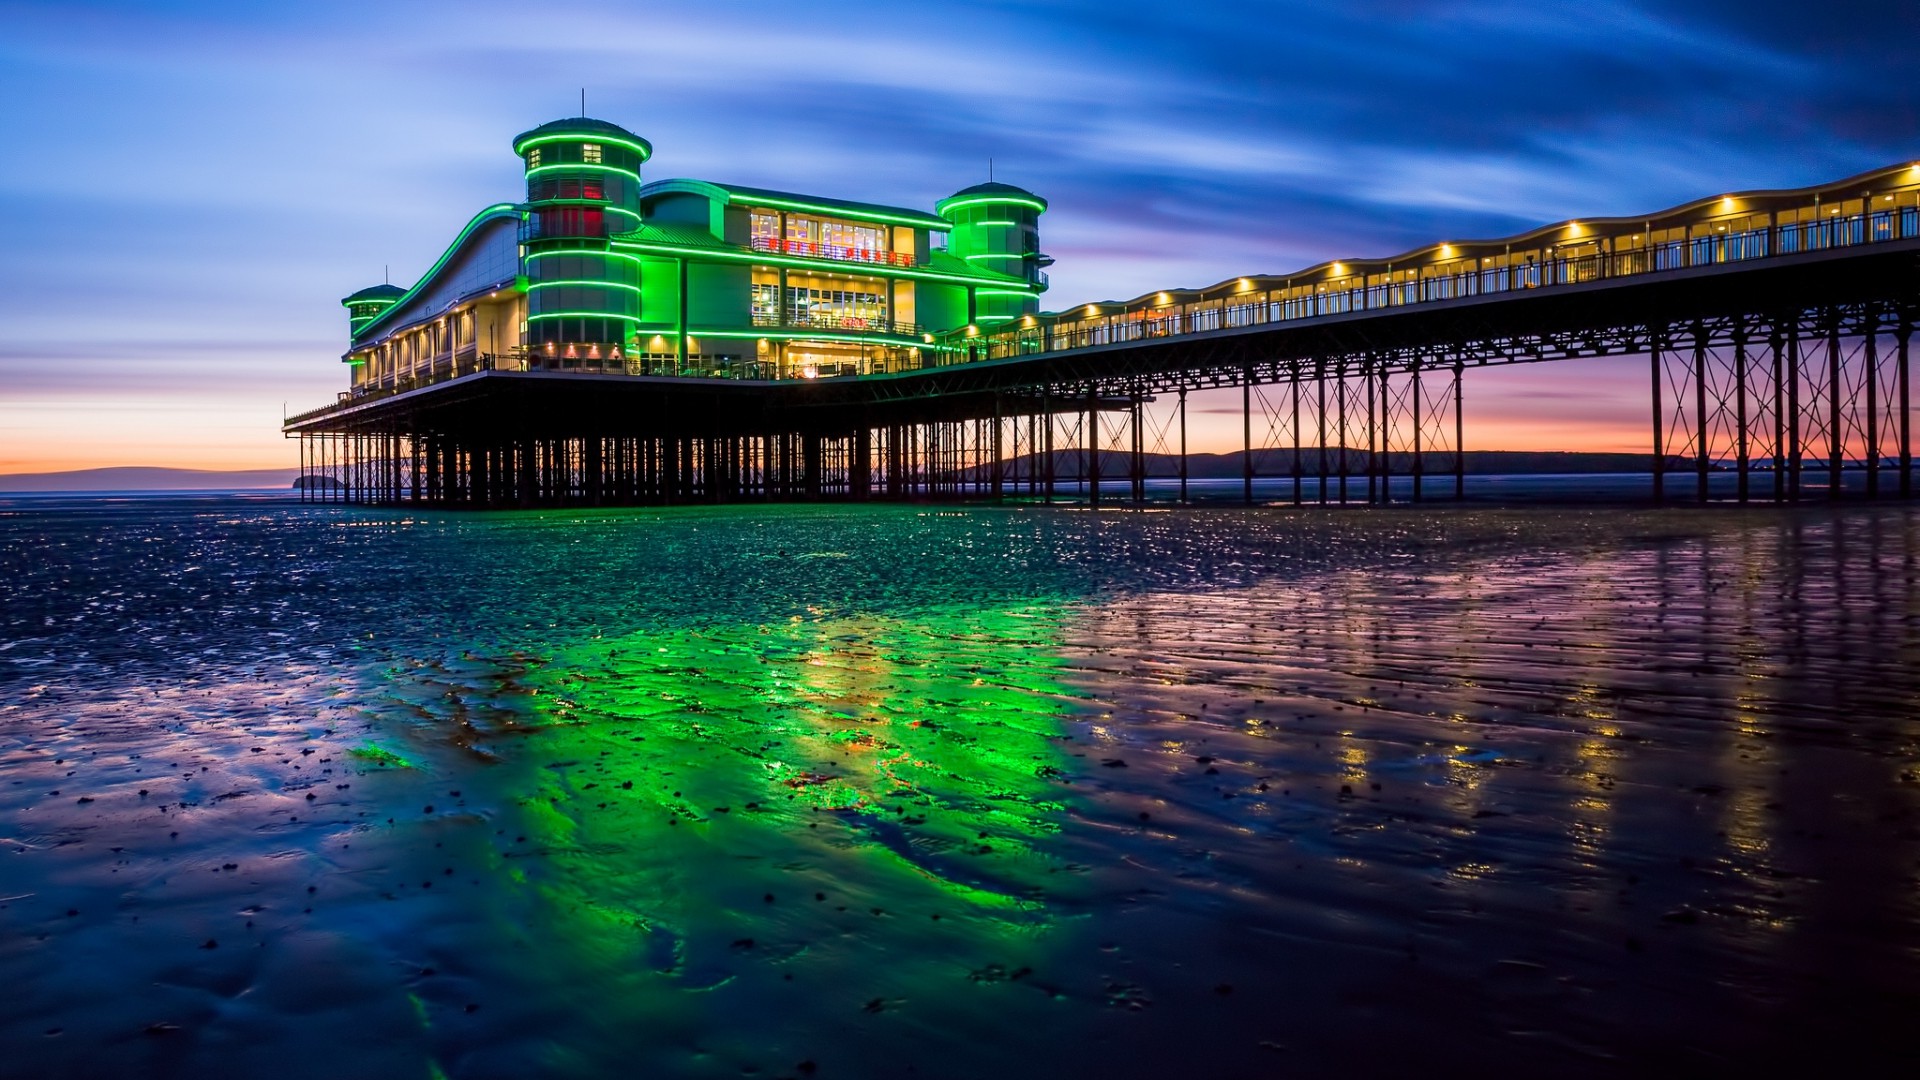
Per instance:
(1773,327)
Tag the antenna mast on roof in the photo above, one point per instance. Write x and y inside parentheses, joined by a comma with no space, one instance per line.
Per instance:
(989,170)
(386,273)
(583,103)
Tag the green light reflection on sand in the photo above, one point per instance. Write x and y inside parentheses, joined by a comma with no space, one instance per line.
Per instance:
(700,788)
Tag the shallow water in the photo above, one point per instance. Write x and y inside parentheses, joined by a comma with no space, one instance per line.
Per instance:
(908,791)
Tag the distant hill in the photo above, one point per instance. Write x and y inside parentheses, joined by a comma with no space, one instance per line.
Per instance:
(149,478)
(1279,462)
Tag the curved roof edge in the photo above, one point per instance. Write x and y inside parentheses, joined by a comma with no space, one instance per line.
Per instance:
(1902,176)
(602,130)
(495,212)
(992,192)
(373,293)
(685,186)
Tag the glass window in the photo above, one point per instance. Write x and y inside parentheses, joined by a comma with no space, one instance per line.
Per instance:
(590,153)
(533,158)
(804,229)
(838,306)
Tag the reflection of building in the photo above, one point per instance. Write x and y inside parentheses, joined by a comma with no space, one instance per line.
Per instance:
(691,278)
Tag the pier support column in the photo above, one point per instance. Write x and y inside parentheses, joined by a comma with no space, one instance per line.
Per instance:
(1740,457)
(1779,418)
(1293,389)
(592,466)
(1093,444)
(1870,364)
(811,450)
(1659,436)
(1700,424)
(1459,437)
(860,480)
(1419,460)
(1139,445)
(1905,427)
(1320,427)
(999,478)
(1183,437)
(1340,406)
(1384,460)
(1836,445)
(1794,450)
(1048,473)
(1246,435)
(1373,462)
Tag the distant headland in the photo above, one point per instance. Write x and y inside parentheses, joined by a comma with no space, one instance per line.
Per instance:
(150,478)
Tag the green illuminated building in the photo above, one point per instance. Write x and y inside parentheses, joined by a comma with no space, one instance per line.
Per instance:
(599,269)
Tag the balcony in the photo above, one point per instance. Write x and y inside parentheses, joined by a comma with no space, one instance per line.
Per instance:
(842,324)
(811,250)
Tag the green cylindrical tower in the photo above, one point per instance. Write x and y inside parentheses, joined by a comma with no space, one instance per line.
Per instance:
(997,227)
(366,305)
(583,186)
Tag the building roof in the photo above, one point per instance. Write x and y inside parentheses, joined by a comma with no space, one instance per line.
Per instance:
(992,192)
(676,234)
(388,293)
(585,125)
(864,211)
(496,212)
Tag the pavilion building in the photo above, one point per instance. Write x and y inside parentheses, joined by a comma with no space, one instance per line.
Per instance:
(688,278)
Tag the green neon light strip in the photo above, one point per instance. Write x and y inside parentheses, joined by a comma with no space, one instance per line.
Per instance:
(997,255)
(582,315)
(841,212)
(596,137)
(584,165)
(987,200)
(806,264)
(596,253)
(357,303)
(497,210)
(1005,292)
(577,282)
(805,335)
(1009,224)
(608,207)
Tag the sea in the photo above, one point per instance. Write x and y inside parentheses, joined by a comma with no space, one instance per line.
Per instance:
(1006,791)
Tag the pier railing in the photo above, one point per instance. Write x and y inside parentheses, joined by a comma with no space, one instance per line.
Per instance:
(812,249)
(1518,271)
(857,324)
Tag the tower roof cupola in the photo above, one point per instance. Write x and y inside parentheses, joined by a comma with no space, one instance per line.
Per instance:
(582,129)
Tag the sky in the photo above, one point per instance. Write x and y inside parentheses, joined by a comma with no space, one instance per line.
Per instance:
(192,186)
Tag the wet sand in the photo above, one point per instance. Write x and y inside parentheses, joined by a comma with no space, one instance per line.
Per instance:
(898,791)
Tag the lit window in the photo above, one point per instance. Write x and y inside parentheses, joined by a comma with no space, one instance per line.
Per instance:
(590,153)
(533,158)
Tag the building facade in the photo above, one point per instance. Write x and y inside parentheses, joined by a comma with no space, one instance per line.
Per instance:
(598,270)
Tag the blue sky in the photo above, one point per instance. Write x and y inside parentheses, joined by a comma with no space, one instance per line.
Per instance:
(194,185)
